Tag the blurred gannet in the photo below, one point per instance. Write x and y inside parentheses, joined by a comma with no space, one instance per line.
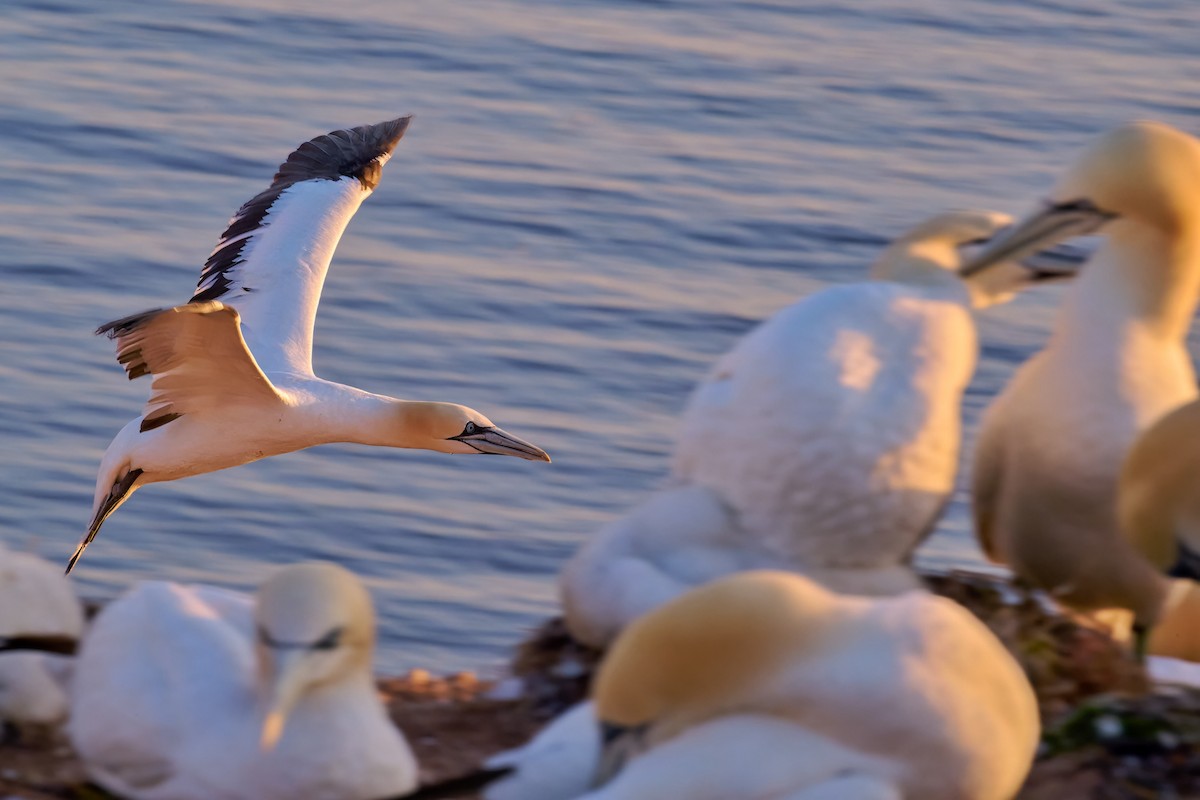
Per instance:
(1158,508)
(233,379)
(1051,445)
(825,441)
(765,686)
(194,692)
(38,607)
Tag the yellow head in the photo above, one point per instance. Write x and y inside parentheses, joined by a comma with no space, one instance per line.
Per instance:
(932,253)
(316,626)
(451,428)
(932,248)
(704,650)
(1139,179)
(1144,173)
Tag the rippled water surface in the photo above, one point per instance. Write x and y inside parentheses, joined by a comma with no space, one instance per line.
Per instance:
(594,200)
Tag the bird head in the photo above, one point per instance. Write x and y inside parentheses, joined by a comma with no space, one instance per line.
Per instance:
(316,627)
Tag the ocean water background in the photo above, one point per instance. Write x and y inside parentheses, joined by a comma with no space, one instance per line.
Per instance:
(595,200)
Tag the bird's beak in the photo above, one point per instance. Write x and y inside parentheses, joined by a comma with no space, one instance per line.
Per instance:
(1060,262)
(283,690)
(618,744)
(495,441)
(1037,232)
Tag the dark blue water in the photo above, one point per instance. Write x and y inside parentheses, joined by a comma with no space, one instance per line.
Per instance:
(595,199)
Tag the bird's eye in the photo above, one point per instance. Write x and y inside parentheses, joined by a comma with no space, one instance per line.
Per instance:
(470,429)
(329,641)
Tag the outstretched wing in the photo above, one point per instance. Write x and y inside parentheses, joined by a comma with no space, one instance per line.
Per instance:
(270,263)
(197,356)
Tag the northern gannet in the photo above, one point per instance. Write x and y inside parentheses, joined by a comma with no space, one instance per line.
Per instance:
(195,692)
(826,441)
(1158,509)
(1051,446)
(233,378)
(765,686)
(38,609)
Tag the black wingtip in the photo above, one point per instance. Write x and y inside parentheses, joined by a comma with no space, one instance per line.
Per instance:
(351,152)
(119,327)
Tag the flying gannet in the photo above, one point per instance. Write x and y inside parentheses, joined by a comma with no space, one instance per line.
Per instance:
(765,686)
(233,378)
(195,692)
(826,441)
(1051,446)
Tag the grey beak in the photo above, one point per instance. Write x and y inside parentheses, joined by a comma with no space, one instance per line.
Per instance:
(1038,232)
(495,441)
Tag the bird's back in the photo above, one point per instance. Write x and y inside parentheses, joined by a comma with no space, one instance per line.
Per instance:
(948,704)
(162,668)
(833,428)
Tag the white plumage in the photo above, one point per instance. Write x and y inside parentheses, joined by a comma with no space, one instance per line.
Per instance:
(826,441)
(764,686)
(233,379)
(36,600)
(557,764)
(199,693)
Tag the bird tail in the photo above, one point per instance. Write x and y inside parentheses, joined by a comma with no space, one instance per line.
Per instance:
(118,494)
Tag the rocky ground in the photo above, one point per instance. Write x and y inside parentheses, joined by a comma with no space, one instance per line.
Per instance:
(1109,735)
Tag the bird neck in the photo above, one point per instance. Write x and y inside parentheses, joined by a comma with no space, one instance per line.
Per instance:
(1140,277)
(365,418)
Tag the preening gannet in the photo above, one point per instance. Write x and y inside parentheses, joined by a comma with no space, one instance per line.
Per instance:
(826,441)
(233,379)
(1158,508)
(38,611)
(765,686)
(1051,445)
(195,693)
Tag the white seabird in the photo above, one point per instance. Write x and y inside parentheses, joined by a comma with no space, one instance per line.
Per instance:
(765,686)
(826,441)
(233,378)
(1158,509)
(1051,445)
(194,693)
(38,611)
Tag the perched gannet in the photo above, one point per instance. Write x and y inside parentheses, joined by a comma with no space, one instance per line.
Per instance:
(233,379)
(186,692)
(38,611)
(1051,446)
(1158,508)
(765,686)
(826,441)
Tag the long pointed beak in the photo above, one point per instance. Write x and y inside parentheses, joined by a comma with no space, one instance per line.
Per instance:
(1038,231)
(495,441)
(283,691)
